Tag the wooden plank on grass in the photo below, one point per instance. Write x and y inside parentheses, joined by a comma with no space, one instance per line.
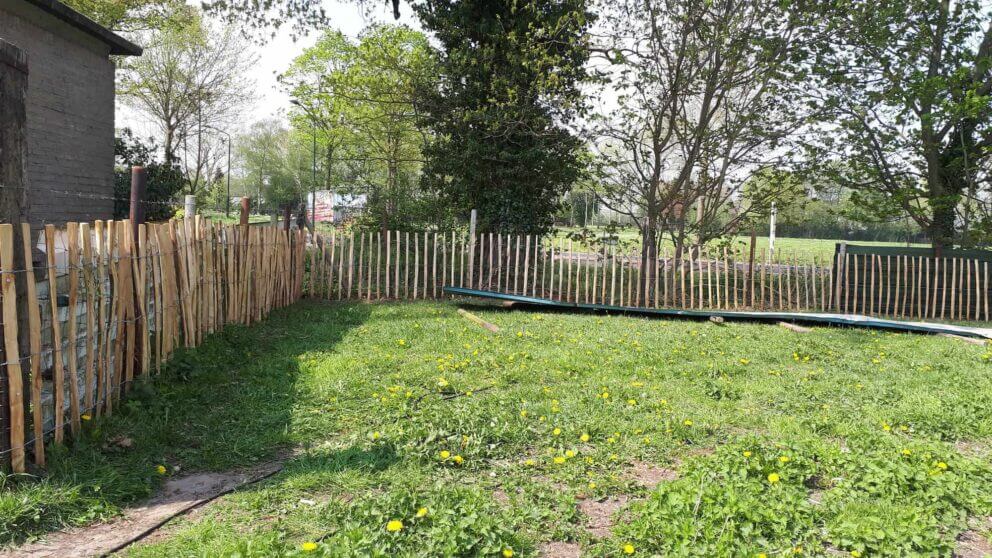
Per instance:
(477,320)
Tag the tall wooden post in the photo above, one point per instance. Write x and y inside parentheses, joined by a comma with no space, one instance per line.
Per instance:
(14,209)
(139,180)
(245,204)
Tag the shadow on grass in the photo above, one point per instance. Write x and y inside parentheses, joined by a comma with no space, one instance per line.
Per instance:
(227,404)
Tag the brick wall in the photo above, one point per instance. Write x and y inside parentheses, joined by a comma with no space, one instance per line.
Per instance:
(70,115)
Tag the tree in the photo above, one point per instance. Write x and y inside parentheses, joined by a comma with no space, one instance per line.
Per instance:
(906,85)
(164,181)
(509,86)
(189,78)
(703,104)
(358,97)
(134,16)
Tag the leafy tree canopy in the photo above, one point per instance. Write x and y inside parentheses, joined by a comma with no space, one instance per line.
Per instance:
(508,87)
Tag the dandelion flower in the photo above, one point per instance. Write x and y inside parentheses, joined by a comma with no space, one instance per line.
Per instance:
(445,454)
(85,416)
(855,554)
(507,553)
(942,466)
(394,526)
(773,478)
(687,422)
(584,437)
(556,432)
(308,546)
(458,459)
(160,469)
(559,460)
(747,453)
(784,459)
(906,451)
(422,512)
(570,453)
(628,548)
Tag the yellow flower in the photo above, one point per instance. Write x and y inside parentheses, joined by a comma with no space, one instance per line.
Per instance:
(942,466)
(632,402)
(687,422)
(783,459)
(628,548)
(559,460)
(376,435)
(592,486)
(507,553)
(747,453)
(445,454)
(529,463)
(160,469)
(570,453)
(85,416)
(458,459)
(762,555)
(906,452)
(421,512)
(442,382)
(773,478)
(308,546)
(855,554)
(556,431)
(394,526)
(584,438)
(523,414)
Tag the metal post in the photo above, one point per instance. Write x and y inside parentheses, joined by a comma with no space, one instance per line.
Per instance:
(245,204)
(189,209)
(139,180)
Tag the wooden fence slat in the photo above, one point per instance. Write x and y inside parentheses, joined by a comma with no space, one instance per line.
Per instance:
(34,345)
(15,387)
(59,377)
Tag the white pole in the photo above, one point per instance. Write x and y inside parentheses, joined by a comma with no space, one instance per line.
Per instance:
(190,206)
(771,232)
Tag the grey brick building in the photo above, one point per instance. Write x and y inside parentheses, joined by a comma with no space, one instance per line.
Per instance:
(69,108)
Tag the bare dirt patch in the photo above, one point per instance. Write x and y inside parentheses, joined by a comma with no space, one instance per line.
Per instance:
(650,475)
(556,549)
(599,514)
(974,544)
(177,496)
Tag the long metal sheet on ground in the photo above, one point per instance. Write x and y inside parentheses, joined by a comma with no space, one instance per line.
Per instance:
(855,320)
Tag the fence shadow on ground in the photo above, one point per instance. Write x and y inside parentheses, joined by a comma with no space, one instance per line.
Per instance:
(224,405)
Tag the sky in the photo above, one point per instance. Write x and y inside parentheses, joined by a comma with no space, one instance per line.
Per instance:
(276,54)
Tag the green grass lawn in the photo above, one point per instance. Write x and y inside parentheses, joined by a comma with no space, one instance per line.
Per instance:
(697,439)
(803,250)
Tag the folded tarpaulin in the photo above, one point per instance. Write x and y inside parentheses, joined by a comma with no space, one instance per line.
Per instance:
(855,320)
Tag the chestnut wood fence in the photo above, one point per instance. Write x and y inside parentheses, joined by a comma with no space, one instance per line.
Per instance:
(111,303)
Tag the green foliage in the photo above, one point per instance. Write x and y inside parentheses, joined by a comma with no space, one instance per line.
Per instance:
(129,16)
(903,96)
(164,181)
(508,87)
(357,96)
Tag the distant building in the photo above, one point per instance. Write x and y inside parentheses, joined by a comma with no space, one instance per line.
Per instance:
(69,108)
(336,208)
